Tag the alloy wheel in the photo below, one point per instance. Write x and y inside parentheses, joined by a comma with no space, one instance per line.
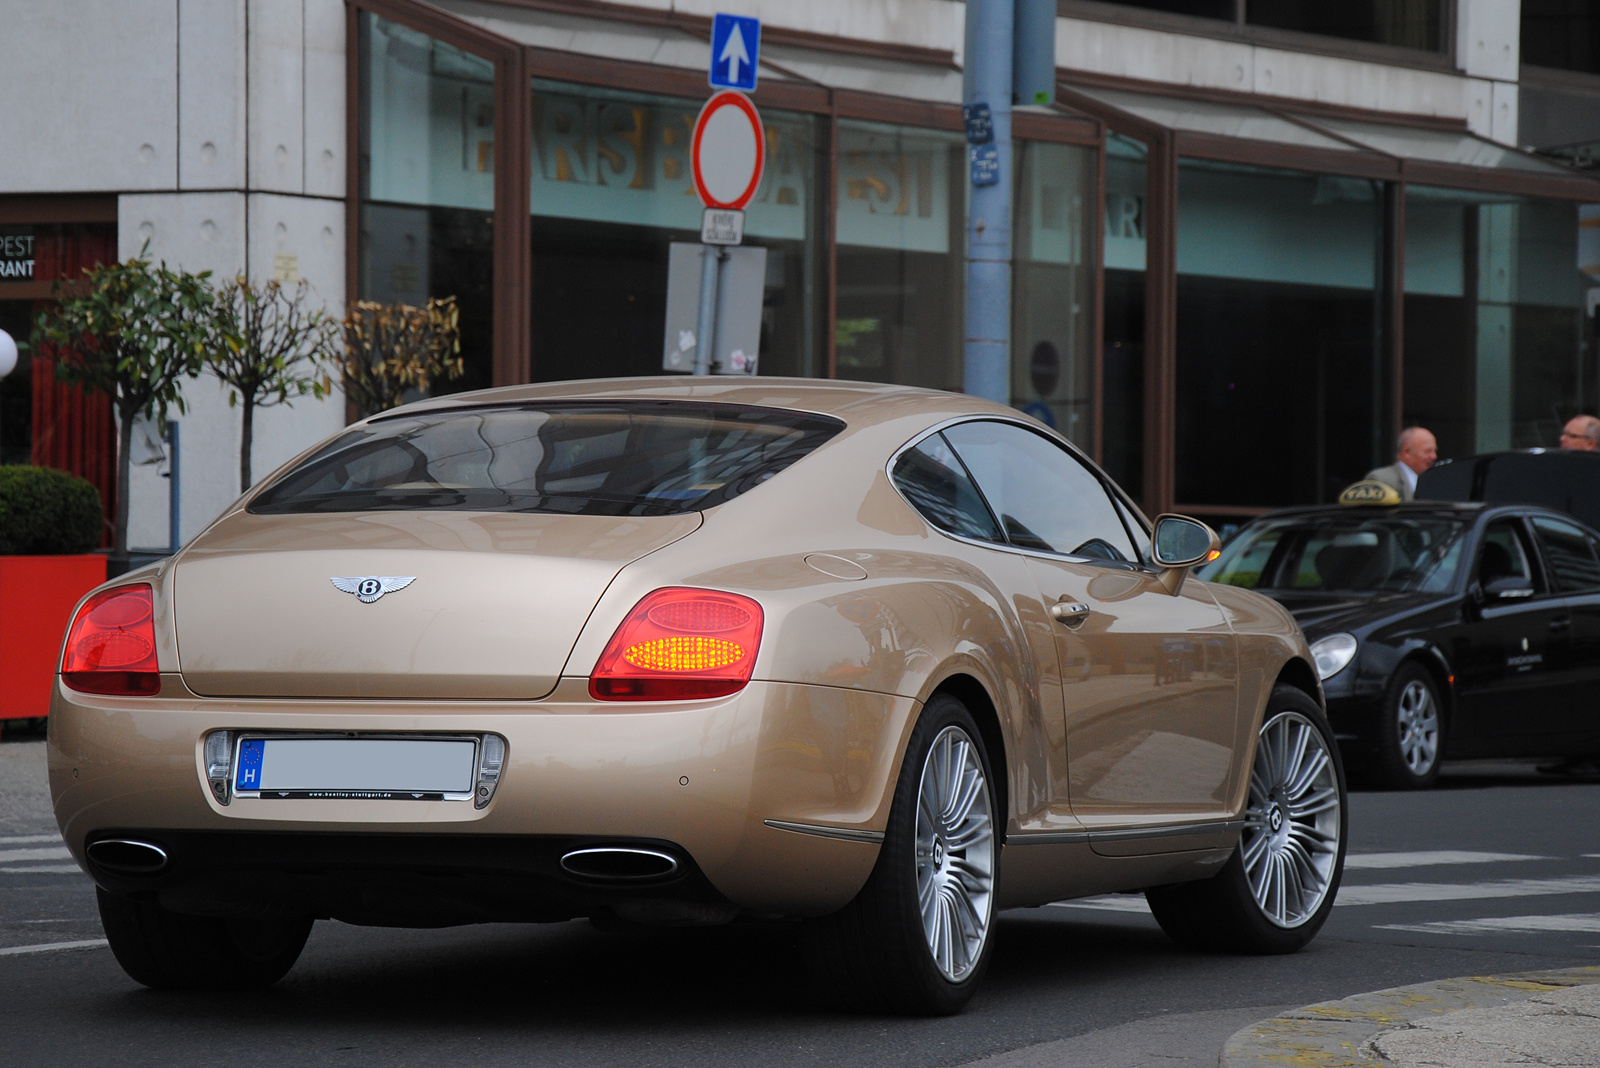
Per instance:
(1290,843)
(954,853)
(1418,727)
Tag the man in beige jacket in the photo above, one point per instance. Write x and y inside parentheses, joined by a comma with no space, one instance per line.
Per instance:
(1415,452)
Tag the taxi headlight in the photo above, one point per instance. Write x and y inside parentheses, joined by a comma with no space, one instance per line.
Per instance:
(1333,654)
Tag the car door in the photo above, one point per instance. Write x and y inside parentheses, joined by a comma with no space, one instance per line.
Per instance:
(938,486)
(1573,565)
(1150,687)
(1507,678)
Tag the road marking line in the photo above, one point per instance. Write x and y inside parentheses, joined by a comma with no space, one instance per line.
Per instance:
(29,839)
(51,947)
(12,856)
(42,869)
(1571,921)
(1396,893)
(1107,903)
(1433,856)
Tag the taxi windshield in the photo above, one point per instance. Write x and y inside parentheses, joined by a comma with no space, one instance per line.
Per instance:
(1393,553)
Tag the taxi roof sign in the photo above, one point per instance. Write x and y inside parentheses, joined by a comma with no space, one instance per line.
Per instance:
(1369,491)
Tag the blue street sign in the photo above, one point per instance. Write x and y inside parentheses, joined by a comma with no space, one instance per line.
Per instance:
(735,51)
(985,163)
(980,123)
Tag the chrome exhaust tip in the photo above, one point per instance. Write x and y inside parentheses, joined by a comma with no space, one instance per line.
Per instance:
(125,856)
(619,864)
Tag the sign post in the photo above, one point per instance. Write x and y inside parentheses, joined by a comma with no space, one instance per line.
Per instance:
(727,153)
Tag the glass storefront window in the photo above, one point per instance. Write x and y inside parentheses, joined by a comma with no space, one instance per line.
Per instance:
(1561,34)
(1052,365)
(1498,348)
(612,189)
(1122,439)
(900,234)
(1406,23)
(1279,330)
(1211,9)
(427,146)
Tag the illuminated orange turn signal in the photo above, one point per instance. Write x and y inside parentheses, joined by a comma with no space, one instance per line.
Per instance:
(680,644)
(111,645)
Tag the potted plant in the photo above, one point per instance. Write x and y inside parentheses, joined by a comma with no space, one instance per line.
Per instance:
(50,522)
(133,331)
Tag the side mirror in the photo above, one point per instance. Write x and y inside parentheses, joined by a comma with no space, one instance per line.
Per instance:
(1178,544)
(1507,588)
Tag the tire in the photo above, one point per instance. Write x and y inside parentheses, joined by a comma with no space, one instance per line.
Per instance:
(1410,738)
(172,951)
(917,938)
(1277,889)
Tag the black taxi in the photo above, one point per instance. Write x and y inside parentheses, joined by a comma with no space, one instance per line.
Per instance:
(1441,630)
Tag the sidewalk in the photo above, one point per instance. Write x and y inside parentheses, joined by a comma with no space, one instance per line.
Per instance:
(1547,1018)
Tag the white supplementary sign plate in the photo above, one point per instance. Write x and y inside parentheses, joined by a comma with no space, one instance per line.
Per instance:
(430,769)
(729,151)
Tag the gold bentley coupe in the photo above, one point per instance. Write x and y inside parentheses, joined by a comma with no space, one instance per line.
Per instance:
(873,660)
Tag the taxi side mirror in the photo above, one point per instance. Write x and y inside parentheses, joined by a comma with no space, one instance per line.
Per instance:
(1507,588)
(1179,543)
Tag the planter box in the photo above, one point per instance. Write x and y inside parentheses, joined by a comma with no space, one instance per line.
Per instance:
(37,595)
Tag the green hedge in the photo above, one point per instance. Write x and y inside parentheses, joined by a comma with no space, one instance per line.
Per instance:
(44,512)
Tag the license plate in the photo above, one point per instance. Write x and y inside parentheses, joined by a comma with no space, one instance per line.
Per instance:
(397,769)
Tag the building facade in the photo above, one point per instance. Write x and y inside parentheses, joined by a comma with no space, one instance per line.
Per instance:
(1252,238)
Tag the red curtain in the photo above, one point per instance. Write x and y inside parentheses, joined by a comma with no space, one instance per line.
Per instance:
(73,430)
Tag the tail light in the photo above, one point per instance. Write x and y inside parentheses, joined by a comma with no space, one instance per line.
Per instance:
(680,644)
(111,645)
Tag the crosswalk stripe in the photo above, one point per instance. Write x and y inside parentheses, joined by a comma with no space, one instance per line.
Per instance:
(13,856)
(1393,893)
(1432,856)
(1398,893)
(1571,921)
(1107,903)
(29,839)
(49,947)
(42,869)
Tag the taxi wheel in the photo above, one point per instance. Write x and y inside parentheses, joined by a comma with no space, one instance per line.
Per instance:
(1277,889)
(1411,734)
(917,939)
(172,951)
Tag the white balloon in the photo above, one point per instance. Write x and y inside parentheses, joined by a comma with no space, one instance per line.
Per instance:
(8,354)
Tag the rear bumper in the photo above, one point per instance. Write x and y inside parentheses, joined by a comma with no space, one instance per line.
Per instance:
(699,779)
(404,880)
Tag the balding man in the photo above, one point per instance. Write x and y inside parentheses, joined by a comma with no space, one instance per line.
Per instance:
(1415,452)
(1582,433)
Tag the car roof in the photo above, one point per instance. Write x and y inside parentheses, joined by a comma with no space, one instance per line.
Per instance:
(1455,508)
(856,403)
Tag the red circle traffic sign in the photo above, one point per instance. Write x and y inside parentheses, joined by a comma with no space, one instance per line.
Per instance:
(729,151)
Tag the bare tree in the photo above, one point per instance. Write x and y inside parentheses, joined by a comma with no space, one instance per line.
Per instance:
(269,345)
(393,349)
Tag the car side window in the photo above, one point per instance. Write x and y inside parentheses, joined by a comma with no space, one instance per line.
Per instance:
(1044,497)
(936,484)
(1503,556)
(1570,554)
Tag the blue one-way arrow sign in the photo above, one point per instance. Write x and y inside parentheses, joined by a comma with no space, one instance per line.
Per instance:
(735,52)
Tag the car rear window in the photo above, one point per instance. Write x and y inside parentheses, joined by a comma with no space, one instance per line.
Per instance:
(614,458)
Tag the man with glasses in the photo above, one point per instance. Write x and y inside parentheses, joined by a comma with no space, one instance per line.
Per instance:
(1582,433)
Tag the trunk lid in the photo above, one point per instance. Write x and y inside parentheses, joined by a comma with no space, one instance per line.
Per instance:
(494,604)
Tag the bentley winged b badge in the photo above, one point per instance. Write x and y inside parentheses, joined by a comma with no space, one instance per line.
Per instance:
(369,588)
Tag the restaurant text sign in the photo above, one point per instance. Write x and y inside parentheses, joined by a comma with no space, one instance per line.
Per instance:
(16,256)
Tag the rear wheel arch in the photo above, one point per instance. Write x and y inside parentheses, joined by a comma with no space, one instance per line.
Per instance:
(975,696)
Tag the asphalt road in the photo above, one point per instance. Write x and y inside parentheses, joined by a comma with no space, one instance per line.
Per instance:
(1499,870)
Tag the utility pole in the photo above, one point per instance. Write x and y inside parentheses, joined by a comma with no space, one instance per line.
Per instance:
(986,93)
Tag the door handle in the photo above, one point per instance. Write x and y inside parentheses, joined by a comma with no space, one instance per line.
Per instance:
(1072,613)
(1560,624)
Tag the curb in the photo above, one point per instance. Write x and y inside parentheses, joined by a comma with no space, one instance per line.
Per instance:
(1340,1034)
